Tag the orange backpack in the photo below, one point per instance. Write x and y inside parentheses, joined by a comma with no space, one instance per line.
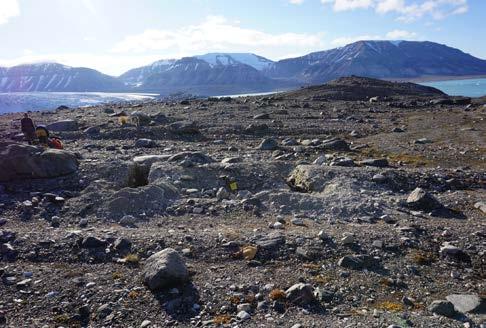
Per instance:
(56,143)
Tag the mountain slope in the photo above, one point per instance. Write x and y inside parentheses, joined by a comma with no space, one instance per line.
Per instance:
(232,73)
(55,77)
(209,74)
(136,76)
(379,59)
(257,62)
(195,75)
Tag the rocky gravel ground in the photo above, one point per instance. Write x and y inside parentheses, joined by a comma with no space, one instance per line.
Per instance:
(356,204)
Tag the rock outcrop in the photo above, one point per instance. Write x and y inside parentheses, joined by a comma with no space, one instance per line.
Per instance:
(19,161)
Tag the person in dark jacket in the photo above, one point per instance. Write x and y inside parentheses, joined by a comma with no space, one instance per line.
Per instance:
(28,128)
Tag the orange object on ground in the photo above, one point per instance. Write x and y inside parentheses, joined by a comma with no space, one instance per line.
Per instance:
(56,143)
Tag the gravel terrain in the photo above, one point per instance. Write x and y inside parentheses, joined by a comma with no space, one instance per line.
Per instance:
(360,203)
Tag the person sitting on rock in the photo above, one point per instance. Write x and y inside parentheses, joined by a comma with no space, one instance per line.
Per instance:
(28,128)
(42,135)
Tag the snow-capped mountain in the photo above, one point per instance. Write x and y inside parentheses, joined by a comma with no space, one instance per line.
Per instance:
(228,73)
(221,72)
(379,59)
(55,77)
(257,62)
(135,77)
(198,76)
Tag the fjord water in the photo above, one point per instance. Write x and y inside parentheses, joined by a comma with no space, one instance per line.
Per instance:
(467,88)
(33,101)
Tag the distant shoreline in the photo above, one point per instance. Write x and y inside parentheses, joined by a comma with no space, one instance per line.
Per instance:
(438,78)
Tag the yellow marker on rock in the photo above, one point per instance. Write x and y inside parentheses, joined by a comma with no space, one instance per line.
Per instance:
(233,186)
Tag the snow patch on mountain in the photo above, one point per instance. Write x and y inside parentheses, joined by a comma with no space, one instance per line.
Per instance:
(396,42)
(164,62)
(225,59)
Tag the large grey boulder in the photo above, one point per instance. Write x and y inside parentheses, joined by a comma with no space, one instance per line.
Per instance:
(147,200)
(18,161)
(468,303)
(64,125)
(164,269)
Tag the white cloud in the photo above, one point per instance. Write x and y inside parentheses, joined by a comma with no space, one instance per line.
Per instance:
(217,34)
(296,2)
(401,35)
(342,41)
(213,34)
(392,35)
(406,10)
(8,9)
(343,5)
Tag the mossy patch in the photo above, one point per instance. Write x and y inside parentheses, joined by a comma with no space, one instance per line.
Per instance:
(390,306)
(421,257)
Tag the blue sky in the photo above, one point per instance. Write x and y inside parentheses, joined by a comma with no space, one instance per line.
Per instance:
(115,35)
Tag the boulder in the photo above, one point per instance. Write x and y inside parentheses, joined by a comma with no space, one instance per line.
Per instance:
(420,199)
(134,201)
(64,125)
(139,169)
(145,143)
(481,206)
(184,127)
(8,252)
(92,131)
(140,119)
(128,221)
(442,101)
(468,303)
(92,242)
(159,118)
(335,144)
(352,262)
(148,160)
(454,253)
(268,144)
(263,116)
(300,294)
(194,157)
(378,162)
(256,128)
(18,161)
(164,269)
(443,308)
(422,141)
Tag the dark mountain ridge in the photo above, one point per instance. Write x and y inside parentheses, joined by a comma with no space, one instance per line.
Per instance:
(379,59)
(56,78)
(226,73)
